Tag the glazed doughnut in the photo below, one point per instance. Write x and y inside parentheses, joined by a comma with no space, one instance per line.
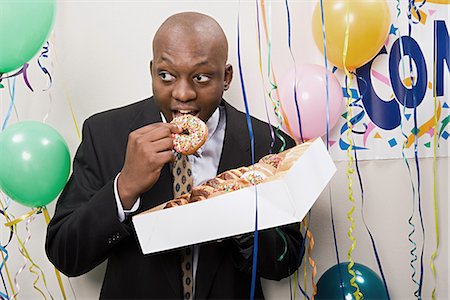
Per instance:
(193,136)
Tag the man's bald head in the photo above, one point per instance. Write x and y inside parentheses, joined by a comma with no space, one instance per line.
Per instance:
(194,28)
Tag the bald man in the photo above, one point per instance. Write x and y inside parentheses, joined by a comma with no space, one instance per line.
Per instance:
(122,167)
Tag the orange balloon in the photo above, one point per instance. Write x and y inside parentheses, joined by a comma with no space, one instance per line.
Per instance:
(369,23)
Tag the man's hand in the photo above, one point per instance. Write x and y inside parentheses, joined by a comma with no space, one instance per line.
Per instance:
(149,148)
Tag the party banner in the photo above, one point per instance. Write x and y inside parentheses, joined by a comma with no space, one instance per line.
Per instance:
(399,95)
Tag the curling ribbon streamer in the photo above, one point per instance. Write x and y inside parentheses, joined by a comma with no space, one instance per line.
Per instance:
(22,71)
(12,93)
(5,256)
(348,78)
(58,275)
(44,54)
(327,109)
(295,72)
(310,260)
(77,129)
(418,292)
(436,208)
(377,257)
(272,134)
(27,257)
(252,143)
(4,208)
(273,87)
(411,224)
(274,102)
(303,291)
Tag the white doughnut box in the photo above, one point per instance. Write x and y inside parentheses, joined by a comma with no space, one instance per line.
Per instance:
(281,201)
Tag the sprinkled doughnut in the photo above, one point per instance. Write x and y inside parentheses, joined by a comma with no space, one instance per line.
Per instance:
(193,136)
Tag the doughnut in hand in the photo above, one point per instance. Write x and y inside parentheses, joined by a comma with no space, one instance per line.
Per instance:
(193,136)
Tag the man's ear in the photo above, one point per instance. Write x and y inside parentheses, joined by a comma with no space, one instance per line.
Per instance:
(228,77)
(151,67)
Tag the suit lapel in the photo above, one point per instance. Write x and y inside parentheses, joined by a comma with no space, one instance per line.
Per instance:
(236,144)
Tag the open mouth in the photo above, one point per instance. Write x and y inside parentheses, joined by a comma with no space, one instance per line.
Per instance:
(177,113)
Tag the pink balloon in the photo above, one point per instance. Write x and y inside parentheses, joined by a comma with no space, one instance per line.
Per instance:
(311,98)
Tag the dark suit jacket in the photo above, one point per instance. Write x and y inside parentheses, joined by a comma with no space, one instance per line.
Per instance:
(85,229)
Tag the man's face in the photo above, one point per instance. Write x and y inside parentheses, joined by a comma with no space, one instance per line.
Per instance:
(189,76)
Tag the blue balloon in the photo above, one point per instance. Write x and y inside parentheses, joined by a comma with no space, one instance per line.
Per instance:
(369,283)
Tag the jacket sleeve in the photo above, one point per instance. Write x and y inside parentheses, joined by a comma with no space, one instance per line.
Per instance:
(85,227)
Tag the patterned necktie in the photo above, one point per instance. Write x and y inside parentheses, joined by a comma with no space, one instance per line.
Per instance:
(182,184)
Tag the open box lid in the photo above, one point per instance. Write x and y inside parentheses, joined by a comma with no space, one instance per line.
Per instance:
(284,200)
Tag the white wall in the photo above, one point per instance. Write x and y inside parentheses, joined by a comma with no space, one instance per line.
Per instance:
(100,52)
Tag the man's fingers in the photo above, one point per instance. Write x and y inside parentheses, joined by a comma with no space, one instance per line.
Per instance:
(163,145)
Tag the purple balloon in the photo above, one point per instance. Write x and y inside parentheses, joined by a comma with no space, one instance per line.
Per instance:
(310,81)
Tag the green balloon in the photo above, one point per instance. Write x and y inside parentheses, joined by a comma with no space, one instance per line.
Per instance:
(369,283)
(35,163)
(24,27)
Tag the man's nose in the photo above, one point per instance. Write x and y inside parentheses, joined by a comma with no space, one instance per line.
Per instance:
(184,91)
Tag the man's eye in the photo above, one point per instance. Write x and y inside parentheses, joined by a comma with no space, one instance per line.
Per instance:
(166,76)
(202,78)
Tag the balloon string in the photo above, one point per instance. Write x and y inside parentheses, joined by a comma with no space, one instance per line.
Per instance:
(348,78)
(252,143)
(435,145)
